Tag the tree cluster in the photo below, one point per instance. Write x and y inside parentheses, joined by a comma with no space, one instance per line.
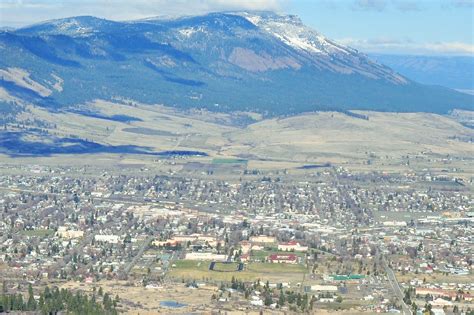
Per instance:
(55,300)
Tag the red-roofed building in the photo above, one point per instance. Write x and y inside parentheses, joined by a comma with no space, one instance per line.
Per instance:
(244,257)
(246,246)
(283,258)
(443,293)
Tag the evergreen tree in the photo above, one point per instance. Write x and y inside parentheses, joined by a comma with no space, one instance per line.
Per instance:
(281,299)
(31,304)
(268,299)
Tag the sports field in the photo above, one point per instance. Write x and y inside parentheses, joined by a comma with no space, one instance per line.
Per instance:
(274,273)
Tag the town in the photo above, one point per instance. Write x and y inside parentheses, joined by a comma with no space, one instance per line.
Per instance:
(301,240)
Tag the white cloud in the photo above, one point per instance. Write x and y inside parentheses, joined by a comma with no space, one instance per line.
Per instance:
(376,5)
(22,12)
(382,5)
(407,46)
(462,3)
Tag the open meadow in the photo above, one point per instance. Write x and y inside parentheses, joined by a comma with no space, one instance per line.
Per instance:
(383,141)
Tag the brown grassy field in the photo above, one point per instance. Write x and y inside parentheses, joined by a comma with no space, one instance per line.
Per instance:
(136,299)
(383,141)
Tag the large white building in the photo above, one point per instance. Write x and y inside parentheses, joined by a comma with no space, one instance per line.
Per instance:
(108,238)
(263,239)
(292,246)
(205,256)
(66,233)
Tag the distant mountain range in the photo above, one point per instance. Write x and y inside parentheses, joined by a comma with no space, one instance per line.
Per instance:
(456,72)
(257,61)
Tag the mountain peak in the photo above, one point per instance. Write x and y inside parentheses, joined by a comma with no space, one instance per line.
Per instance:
(73,26)
(259,16)
(258,61)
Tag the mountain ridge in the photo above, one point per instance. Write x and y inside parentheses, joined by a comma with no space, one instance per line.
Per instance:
(261,62)
(455,72)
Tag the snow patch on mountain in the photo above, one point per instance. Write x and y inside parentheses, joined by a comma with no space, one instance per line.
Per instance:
(297,42)
(187,32)
(58,84)
(291,30)
(73,26)
(322,52)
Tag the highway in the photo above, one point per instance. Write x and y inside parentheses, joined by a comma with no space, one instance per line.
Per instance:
(396,287)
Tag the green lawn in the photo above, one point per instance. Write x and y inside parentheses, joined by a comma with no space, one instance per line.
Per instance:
(275,268)
(275,273)
(228,161)
(226,267)
(38,232)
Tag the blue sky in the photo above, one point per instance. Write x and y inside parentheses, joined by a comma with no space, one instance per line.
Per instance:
(441,27)
(424,26)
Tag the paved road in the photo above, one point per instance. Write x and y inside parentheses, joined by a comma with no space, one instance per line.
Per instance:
(135,259)
(396,287)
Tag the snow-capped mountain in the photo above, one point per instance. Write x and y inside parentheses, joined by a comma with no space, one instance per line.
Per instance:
(257,61)
(73,26)
(323,52)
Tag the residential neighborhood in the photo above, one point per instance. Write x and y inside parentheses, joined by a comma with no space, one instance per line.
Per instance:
(330,240)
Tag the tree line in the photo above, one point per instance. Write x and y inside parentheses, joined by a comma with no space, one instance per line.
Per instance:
(55,300)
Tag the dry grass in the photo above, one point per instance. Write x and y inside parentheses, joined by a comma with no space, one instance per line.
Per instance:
(140,300)
(280,143)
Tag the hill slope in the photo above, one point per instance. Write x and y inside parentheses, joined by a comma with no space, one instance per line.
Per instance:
(255,61)
(152,132)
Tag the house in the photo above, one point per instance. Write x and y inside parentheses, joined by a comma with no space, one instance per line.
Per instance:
(292,246)
(283,258)
(324,288)
(107,238)
(245,246)
(256,301)
(89,280)
(211,240)
(394,223)
(168,243)
(436,292)
(441,302)
(64,232)
(245,258)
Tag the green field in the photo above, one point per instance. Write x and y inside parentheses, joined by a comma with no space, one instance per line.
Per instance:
(275,273)
(227,267)
(228,161)
(38,232)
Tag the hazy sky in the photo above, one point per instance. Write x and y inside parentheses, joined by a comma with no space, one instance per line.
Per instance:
(398,26)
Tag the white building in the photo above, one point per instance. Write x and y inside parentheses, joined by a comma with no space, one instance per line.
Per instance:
(108,238)
(205,256)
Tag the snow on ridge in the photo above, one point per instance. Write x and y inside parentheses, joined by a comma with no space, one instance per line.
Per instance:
(187,32)
(190,31)
(297,42)
(254,19)
(72,25)
(291,31)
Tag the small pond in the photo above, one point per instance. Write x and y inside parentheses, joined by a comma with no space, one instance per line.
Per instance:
(172,304)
